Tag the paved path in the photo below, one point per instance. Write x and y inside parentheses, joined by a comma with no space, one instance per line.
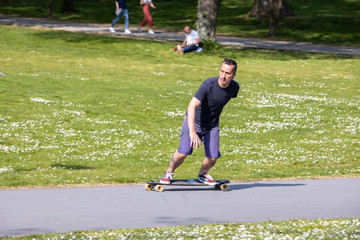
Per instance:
(175,36)
(114,207)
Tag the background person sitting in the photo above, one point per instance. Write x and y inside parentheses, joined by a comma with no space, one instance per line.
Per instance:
(191,42)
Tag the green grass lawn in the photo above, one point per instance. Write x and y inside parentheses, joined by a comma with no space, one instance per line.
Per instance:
(338,229)
(335,22)
(86,109)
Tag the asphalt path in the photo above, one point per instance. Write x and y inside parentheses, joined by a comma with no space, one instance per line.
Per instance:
(38,211)
(176,36)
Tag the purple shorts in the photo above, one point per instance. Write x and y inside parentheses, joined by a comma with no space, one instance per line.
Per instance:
(210,139)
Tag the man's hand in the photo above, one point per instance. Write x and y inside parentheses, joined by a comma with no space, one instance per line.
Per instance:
(194,140)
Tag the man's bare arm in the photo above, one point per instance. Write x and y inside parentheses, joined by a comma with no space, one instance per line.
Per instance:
(194,139)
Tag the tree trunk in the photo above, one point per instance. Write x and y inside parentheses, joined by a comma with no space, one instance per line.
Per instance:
(285,10)
(274,11)
(67,6)
(267,9)
(206,18)
(50,5)
(257,10)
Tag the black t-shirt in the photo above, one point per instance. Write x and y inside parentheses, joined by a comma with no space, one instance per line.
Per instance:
(213,98)
(122,4)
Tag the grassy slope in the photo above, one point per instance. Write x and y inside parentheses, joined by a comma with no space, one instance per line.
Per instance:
(77,109)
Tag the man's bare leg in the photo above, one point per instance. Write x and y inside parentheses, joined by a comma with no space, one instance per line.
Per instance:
(176,160)
(207,164)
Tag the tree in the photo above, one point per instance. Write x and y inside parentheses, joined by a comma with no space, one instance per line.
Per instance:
(50,4)
(206,18)
(270,9)
(285,10)
(67,6)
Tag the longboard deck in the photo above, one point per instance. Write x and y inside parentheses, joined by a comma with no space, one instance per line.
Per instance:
(187,182)
(158,186)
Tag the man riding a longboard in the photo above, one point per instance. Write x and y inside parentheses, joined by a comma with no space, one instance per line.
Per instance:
(202,122)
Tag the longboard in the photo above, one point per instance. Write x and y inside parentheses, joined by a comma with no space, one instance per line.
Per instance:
(159,187)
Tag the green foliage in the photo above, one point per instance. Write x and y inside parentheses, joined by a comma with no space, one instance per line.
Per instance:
(211,46)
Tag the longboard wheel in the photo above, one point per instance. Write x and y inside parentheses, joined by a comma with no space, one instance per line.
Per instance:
(148,187)
(224,187)
(159,188)
(217,187)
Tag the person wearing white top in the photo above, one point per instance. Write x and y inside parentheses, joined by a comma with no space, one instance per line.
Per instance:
(191,41)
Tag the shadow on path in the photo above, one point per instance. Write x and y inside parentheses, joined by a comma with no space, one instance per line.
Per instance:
(233,187)
(241,186)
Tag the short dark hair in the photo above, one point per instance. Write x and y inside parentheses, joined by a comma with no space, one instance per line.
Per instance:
(230,62)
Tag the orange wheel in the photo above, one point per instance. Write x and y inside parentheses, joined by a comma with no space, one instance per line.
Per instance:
(148,187)
(159,188)
(224,187)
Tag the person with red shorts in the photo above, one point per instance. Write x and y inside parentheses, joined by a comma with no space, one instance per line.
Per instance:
(147,4)
(201,122)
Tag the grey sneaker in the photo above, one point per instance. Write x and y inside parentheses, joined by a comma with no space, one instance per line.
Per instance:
(112,29)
